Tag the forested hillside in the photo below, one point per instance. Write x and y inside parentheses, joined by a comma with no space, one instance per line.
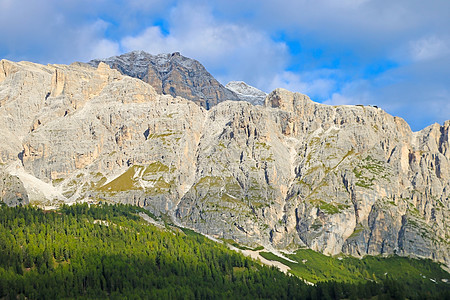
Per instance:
(111,252)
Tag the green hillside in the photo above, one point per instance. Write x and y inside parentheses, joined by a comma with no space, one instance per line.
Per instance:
(107,251)
(419,275)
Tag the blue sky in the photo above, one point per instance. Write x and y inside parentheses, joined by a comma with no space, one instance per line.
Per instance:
(393,54)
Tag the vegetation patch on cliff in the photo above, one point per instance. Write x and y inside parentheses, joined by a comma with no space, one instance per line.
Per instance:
(329,207)
(368,171)
(124,182)
(414,273)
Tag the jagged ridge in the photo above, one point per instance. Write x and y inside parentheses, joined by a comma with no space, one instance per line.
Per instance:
(172,74)
(247,92)
(293,173)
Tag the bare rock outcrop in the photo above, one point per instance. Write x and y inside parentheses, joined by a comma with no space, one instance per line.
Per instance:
(12,191)
(292,173)
(246,92)
(172,74)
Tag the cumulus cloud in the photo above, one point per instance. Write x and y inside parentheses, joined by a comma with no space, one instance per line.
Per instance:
(230,51)
(353,93)
(412,92)
(148,5)
(317,85)
(394,54)
(104,48)
(56,31)
(428,48)
(365,28)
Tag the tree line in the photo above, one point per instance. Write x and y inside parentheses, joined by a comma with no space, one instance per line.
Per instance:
(108,251)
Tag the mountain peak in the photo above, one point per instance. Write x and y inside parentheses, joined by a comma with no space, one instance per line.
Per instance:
(172,74)
(247,92)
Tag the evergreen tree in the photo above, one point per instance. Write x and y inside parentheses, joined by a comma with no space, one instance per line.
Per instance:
(108,251)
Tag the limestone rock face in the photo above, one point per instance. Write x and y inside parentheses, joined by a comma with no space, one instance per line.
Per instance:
(12,191)
(246,92)
(292,173)
(172,74)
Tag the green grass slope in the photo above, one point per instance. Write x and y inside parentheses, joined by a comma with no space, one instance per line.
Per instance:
(416,275)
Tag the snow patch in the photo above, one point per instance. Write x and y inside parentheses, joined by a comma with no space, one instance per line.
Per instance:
(246,92)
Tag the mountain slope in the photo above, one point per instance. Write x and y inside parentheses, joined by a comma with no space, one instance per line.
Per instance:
(292,173)
(247,92)
(172,74)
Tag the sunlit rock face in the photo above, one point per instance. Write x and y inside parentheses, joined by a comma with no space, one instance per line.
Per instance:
(290,173)
(247,93)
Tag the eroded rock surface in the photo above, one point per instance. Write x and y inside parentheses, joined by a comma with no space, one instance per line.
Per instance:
(172,74)
(289,174)
(12,191)
(246,92)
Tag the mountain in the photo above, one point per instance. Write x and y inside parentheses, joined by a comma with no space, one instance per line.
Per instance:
(290,174)
(247,92)
(172,74)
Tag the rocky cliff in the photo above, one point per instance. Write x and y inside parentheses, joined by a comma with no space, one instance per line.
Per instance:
(246,92)
(172,74)
(292,173)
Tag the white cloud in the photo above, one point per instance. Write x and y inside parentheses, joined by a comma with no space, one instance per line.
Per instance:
(54,31)
(339,99)
(151,40)
(230,51)
(313,86)
(412,92)
(86,42)
(394,54)
(366,28)
(353,92)
(149,5)
(238,47)
(104,48)
(428,48)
